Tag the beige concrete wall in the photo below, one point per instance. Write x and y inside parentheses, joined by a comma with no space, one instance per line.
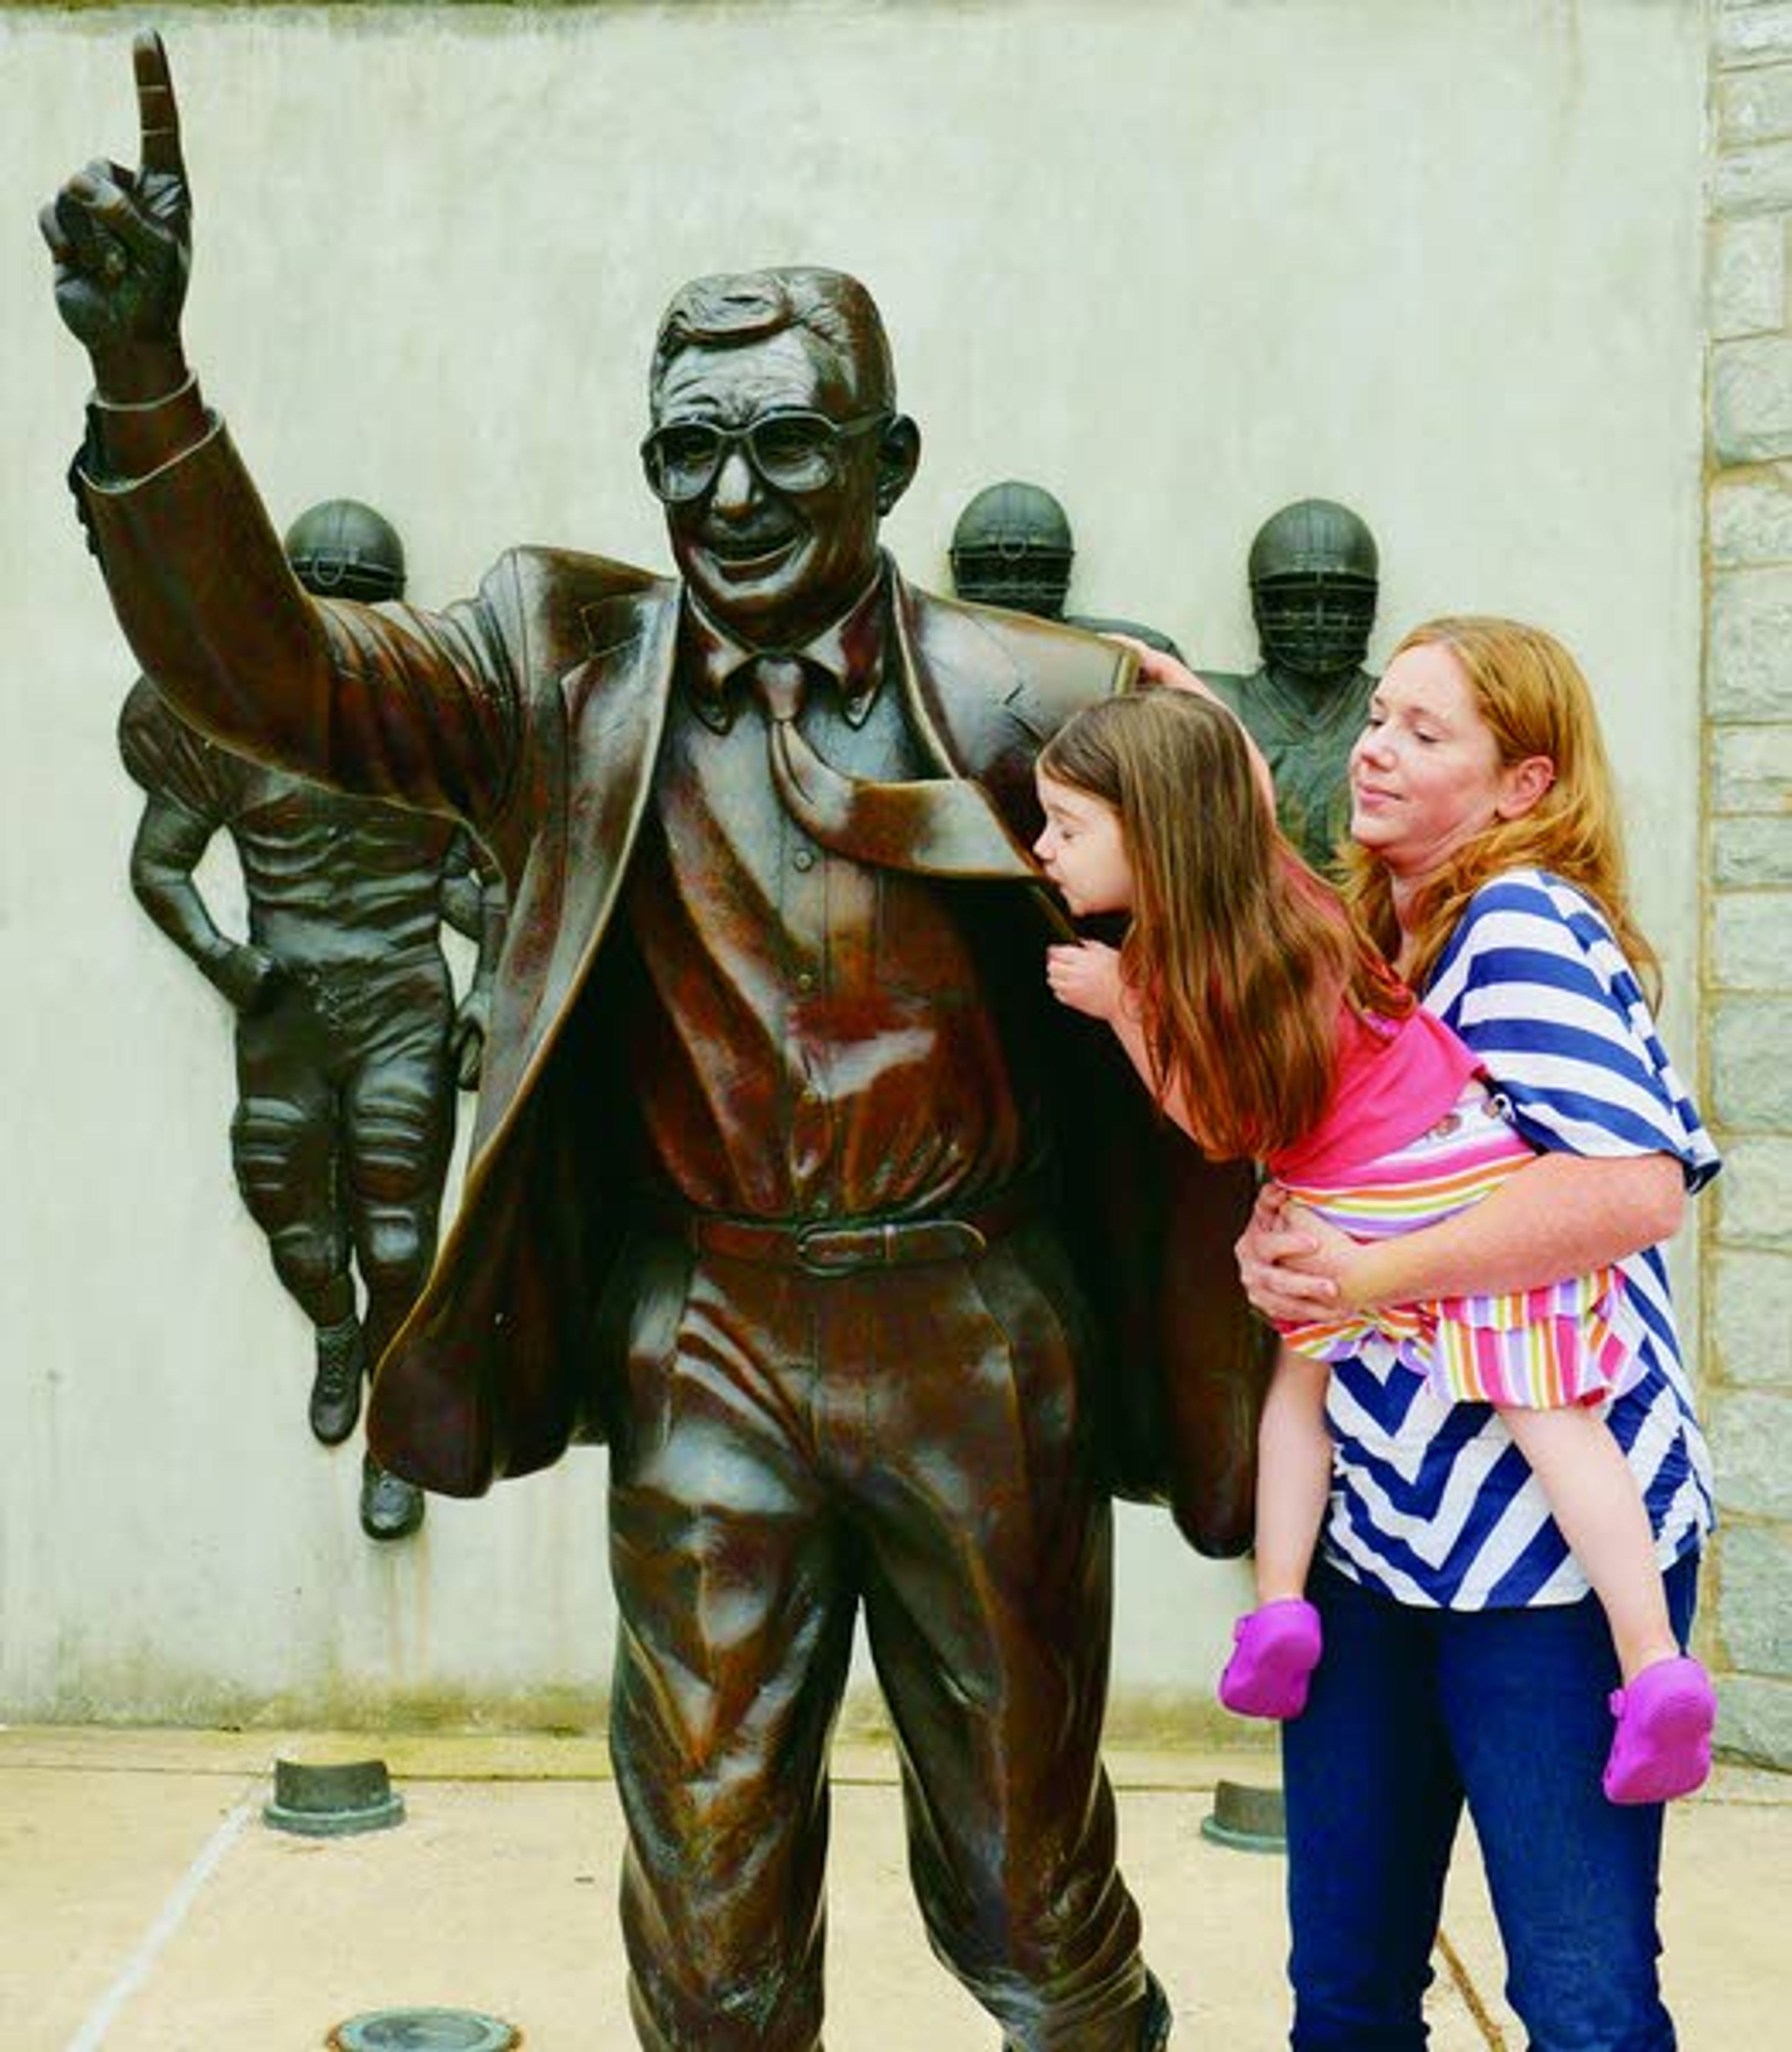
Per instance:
(1180,262)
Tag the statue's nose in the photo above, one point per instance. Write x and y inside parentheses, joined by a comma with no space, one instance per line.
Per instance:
(737,485)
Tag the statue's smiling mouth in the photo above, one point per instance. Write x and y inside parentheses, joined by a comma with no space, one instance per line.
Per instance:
(745,553)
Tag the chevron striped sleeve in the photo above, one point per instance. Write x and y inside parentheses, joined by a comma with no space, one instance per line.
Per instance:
(1431,1502)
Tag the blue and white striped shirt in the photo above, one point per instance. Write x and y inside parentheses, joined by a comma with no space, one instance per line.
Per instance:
(1431,1502)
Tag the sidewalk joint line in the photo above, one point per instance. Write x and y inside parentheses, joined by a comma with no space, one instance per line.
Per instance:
(93,2033)
(1493,2036)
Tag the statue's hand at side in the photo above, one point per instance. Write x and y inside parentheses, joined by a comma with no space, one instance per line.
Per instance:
(467,1043)
(122,243)
(249,977)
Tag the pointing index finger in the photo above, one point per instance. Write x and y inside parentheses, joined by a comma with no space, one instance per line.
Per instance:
(158,116)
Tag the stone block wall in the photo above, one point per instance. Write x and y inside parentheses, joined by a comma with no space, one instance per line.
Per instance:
(1747,782)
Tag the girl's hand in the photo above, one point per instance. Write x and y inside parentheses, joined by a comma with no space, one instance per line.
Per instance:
(1157,665)
(1086,977)
(1293,1266)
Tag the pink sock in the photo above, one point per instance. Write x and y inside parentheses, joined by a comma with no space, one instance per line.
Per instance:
(1661,1748)
(1276,1648)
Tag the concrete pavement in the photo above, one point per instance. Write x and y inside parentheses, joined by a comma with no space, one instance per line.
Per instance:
(145,1907)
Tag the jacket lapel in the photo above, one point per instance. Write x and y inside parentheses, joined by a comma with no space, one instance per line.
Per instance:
(615,703)
(598,738)
(946,663)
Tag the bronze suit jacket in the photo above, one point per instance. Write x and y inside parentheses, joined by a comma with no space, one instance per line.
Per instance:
(534,712)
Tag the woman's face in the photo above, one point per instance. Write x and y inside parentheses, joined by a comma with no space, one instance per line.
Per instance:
(1426,775)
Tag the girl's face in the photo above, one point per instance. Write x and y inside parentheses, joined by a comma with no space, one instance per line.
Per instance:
(1425,775)
(1082,849)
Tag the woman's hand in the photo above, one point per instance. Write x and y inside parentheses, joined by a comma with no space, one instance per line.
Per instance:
(1293,1266)
(1086,977)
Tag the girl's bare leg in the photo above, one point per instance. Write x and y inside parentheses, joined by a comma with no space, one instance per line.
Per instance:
(1594,1498)
(1294,1475)
(1276,1646)
(1660,1746)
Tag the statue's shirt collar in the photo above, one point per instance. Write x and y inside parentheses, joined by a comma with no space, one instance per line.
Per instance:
(851,652)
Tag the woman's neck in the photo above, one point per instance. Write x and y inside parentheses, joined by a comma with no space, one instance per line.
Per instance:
(1404,893)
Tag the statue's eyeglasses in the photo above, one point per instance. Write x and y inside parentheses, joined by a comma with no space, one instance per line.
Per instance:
(793,451)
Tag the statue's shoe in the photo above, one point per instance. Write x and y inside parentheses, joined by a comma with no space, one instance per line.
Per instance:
(1154,2031)
(1154,2021)
(391,1507)
(341,1365)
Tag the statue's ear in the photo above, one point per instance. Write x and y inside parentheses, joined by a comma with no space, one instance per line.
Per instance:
(899,458)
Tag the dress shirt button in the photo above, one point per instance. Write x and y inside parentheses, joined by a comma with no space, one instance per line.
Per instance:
(803,859)
(805,979)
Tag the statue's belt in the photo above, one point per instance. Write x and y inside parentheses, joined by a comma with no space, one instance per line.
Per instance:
(841,1246)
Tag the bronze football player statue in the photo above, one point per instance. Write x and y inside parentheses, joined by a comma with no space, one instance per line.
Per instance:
(350,1040)
(1012,547)
(1314,578)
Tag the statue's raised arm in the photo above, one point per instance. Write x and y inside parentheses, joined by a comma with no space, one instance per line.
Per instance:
(404,704)
(122,243)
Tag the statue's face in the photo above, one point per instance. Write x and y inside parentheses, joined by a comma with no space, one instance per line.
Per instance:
(1012,579)
(773,564)
(1315,627)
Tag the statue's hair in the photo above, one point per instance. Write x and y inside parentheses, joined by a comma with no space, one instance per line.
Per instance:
(1239,956)
(740,306)
(1534,700)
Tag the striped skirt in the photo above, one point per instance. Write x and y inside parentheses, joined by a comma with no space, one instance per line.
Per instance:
(1572,1342)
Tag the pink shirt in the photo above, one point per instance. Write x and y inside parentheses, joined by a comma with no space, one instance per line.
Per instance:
(1396,1078)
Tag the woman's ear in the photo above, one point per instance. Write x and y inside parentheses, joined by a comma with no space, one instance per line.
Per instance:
(1522,785)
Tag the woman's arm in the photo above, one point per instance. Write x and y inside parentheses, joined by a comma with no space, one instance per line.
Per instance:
(1156,666)
(1561,1216)
(1622,1143)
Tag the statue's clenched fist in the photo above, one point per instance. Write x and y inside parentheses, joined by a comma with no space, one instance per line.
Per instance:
(122,242)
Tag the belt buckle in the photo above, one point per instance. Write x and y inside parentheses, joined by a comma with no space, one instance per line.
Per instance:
(849,1254)
(893,1244)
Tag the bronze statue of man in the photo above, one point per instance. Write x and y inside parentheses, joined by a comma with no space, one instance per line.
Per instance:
(1012,547)
(349,1038)
(1314,578)
(773,1126)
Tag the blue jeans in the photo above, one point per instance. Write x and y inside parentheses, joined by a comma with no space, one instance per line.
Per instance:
(1411,1711)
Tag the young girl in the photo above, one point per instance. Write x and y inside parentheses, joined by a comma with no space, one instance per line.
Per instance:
(1265,1025)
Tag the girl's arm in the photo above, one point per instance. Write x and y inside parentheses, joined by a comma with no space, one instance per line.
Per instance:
(1561,1216)
(1156,666)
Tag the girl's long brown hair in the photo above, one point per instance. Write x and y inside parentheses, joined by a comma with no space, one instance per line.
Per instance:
(1534,700)
(1238,956)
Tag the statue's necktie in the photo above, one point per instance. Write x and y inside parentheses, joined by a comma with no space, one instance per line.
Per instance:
(941,826)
